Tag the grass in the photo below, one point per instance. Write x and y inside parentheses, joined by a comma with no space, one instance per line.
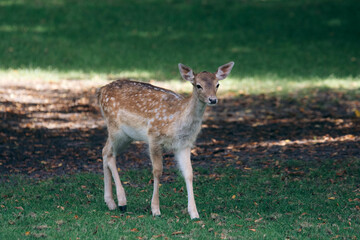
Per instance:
(292,200)
(291,44)
(278,46)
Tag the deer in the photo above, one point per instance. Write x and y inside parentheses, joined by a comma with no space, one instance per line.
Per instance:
(163,119)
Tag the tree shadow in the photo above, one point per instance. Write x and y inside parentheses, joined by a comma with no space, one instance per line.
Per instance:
(58,135)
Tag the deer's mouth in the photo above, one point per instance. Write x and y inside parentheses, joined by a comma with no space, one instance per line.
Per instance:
(211,104)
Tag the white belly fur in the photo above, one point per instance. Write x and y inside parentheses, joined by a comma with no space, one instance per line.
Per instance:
(137,134)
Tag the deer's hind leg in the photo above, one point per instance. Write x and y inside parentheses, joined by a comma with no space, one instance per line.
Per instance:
(157,165)
(114,145)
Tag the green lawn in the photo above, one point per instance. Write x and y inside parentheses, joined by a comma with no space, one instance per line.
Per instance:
(277,45)
(284,200)
(294,44)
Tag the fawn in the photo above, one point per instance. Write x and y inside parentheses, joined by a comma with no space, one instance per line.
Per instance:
(136,111)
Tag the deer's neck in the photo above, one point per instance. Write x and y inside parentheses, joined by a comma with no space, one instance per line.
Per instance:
(189,122)
(194,110)
(198,107)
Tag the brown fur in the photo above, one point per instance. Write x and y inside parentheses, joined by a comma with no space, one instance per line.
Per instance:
(160,117)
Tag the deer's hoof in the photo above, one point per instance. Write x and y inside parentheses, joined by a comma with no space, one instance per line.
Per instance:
(156,213)
(111,204)
(123,208)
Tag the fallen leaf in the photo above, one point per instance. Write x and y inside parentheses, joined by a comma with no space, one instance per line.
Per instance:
(39,235)
(27,233)
(258,220)
(20,208)
(32,214)
(177,233)
(357,113)
(157,236)
(59,222)
(233,196)
(340,173)
(96,229)
(41,227)
(134,230)
(112,221)
(331,198)
(252,229)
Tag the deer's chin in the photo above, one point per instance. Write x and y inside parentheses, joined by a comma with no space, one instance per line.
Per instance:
(210,104)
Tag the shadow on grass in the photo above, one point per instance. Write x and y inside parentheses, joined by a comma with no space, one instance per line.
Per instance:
(54,132)
(283,38)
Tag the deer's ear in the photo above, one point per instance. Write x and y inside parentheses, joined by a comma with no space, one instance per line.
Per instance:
(224,70)
(186,73)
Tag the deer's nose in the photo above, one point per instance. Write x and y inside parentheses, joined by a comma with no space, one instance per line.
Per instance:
(212,100)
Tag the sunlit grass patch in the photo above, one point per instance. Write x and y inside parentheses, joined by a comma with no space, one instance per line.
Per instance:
(264,84)
(276,85)
(53,75)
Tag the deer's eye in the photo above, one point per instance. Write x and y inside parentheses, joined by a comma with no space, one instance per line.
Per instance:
(198,86)
(217,85)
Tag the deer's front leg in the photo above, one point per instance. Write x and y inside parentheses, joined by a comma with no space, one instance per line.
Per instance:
(183,158)
(157,164)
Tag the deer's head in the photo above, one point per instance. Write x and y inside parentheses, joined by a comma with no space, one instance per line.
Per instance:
(206,84)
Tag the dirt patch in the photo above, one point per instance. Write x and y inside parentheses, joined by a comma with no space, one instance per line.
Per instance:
(55,128)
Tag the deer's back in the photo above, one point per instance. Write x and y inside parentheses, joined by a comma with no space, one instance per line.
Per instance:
(139,108)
